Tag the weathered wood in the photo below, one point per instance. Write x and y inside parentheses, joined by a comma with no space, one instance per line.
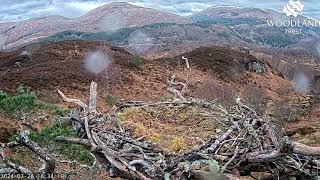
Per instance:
(236,151)
(249,140)
(118,161)
(75,101)
(172,85)
(34,147)
(188,79)
(16,167)
(263,156)
(217,142)
(10,144)
(93,97)
(91,113)
(84,142)
(305,150)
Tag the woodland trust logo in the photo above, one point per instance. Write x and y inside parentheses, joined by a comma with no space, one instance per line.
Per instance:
(294,25)
(293,8)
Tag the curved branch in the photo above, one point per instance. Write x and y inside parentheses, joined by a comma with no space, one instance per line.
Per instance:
(75,101)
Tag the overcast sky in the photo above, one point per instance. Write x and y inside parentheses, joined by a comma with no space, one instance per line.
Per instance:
(16,10)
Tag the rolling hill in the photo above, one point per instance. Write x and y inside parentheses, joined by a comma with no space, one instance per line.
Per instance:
(145,31)
(111,16)
(60,65)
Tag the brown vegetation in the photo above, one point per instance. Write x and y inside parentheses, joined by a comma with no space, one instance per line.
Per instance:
(177,126)
(211,90)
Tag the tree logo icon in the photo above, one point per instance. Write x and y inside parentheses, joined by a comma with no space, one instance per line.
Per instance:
(293,8)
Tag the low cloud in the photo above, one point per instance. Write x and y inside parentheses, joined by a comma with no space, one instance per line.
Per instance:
(302,83)
(112,22)
(140,42)
(96,62)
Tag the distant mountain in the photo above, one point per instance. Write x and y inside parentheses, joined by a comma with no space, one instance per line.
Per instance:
(159,33)
(226,12)
(253,24)
(119,15)
(109,17)
(23,32)
(214,26)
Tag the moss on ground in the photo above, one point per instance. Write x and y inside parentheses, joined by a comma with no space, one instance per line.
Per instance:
(46,139)
(26,102)
(173,128)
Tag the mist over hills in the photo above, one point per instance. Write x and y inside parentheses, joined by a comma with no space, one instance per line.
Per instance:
(158,32)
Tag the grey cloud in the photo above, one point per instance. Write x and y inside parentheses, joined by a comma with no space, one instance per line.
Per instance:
(15,10)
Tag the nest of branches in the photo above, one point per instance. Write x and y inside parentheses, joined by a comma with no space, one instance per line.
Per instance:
(246,143)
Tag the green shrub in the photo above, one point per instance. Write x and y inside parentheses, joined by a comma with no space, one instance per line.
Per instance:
(75,152)
(110,100)
(55,110)
(48,134)
(46,137)
(23,102)
(137,61)
(26,101)
(60,112)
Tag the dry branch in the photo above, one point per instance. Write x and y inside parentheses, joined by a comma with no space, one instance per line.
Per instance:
(248,143)
(305,150)
(173,85)
(34,147)
(75,101)
(84,142)
(23,140)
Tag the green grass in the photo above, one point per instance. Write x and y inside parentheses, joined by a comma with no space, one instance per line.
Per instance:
(48,134)
(23,102)
(26,101)
(111,100)
(55,110)
(46,138)
(137,61)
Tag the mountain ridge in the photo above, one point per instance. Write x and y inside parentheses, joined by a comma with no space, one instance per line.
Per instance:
(227,24)
(23,32)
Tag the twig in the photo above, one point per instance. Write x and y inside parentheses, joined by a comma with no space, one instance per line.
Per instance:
(236,151)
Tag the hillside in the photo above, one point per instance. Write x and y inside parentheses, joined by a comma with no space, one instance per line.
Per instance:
(136,28)
(109,17)
(216,26)
(253,23)
(19,33)
(114,16)
(60,65)
(219,75)
(158,40)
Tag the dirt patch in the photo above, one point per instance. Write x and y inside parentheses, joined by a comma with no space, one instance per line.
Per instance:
(225,63)
(60,66)
(56,65)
